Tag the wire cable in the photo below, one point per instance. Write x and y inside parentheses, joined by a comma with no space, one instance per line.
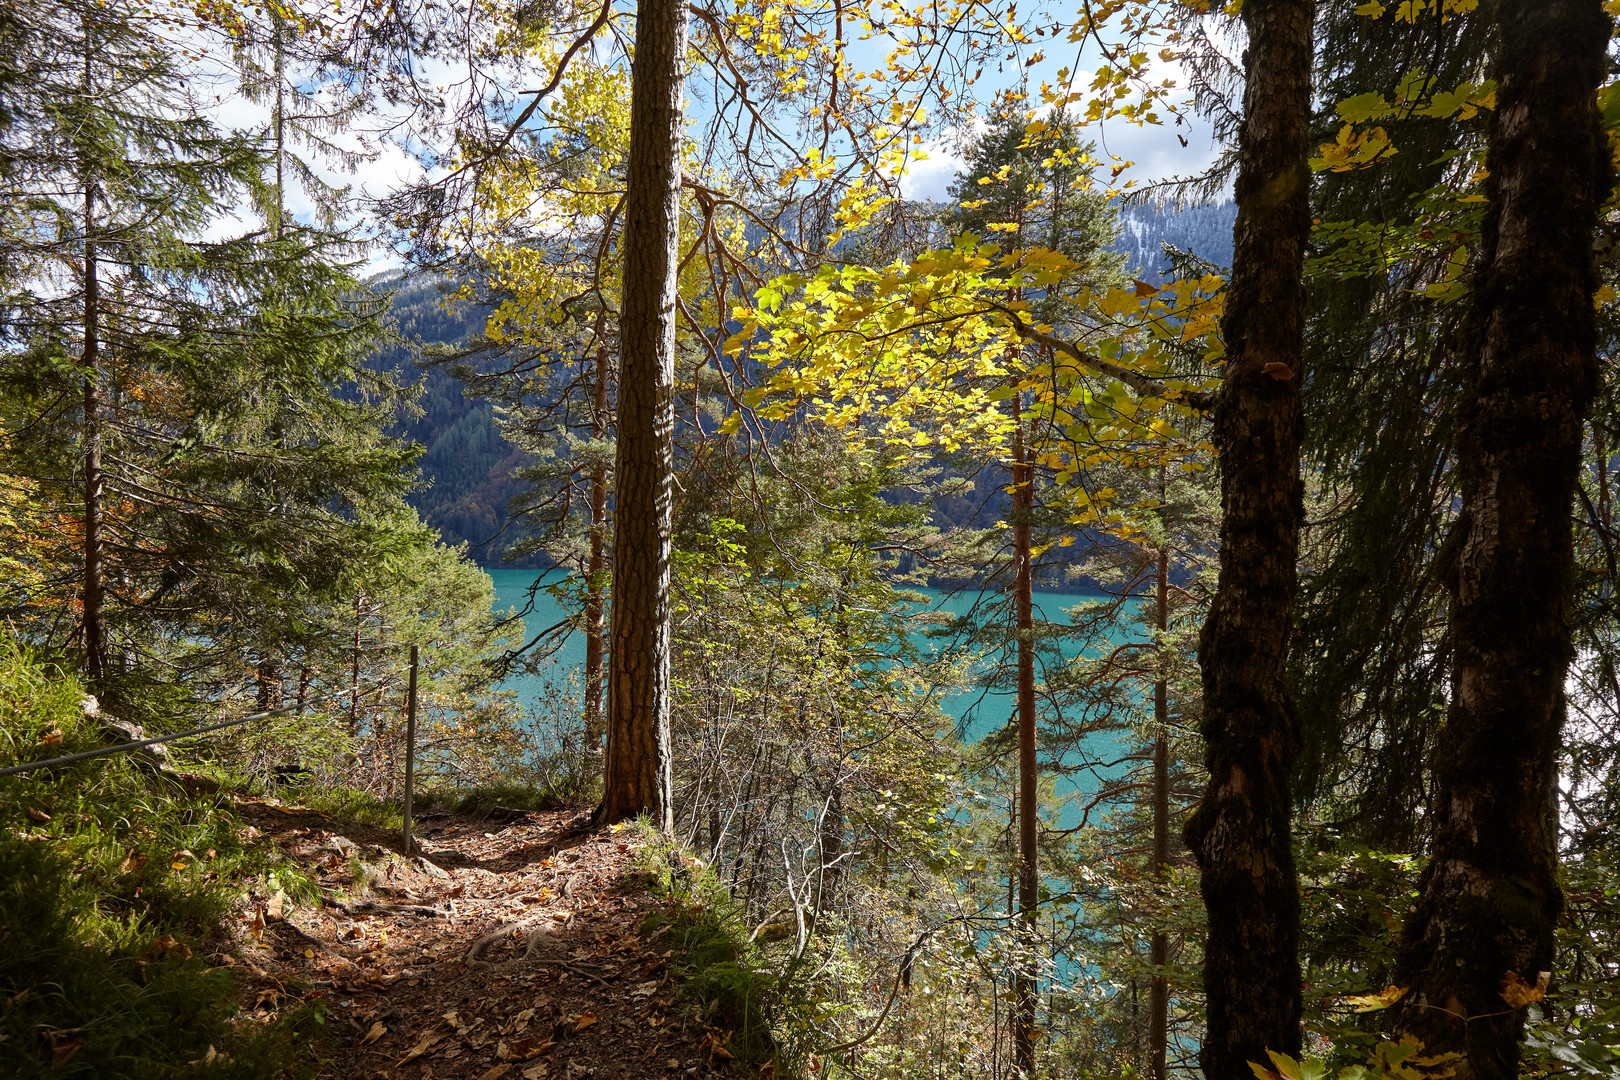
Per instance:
(118,748)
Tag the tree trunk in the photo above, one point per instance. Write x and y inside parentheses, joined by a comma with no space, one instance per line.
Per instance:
(270,679)
(1489,896)
(596,569)
(1159,954)
(637,776)
(1023,485)
(1241,830)
(354,671)
(95,625)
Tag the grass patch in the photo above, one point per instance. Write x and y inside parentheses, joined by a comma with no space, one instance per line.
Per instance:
(487,798)
(345,804)
(114,884)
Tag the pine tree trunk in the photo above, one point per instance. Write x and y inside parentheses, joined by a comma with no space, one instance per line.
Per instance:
(95,625)
(1023,485)
(268,675)
(1489,896)
(1159,948)
(637,776)
(1241,830)
(354,671)
(596,569)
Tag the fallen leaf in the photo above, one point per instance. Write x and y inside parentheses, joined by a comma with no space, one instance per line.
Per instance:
(64,1044)
(536,1072)
(495,1072)
(133,862)
(524,1049)
(38,815)
(272,910)
(584,1021)
(164,944)
(309,954)
(428,1042)
(378,1030)
(52,737)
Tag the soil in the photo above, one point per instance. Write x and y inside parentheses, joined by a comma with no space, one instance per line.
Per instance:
(506,947)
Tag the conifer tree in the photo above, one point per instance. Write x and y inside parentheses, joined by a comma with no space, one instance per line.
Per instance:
(225,417)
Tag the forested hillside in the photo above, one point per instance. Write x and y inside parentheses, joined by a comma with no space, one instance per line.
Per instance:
(1028,634)
(467,464)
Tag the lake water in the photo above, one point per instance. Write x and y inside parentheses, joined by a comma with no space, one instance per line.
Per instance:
(977,712)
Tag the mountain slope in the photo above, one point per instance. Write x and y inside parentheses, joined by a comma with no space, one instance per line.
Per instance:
(467,467)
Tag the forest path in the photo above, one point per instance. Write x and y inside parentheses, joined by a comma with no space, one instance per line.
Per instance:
(512,950)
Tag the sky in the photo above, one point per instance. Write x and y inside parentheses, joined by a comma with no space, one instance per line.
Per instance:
(1155,149)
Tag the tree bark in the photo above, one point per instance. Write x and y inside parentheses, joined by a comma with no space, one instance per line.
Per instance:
(354,671)
(1489,896)
(1023,492)
(1159,948)
(637,776)
(95,625)
(1240,833)
(596,569)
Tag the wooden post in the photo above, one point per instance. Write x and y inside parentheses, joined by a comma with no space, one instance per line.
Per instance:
(410,750)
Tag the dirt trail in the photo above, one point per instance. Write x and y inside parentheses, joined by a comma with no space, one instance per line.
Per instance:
(511,951)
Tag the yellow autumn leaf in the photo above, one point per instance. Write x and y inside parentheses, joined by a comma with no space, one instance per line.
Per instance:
(1518,993)
(1386,997)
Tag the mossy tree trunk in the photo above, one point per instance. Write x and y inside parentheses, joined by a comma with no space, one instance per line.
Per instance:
(1240,833)
(1489,896)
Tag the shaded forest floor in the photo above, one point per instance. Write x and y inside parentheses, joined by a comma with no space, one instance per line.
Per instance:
(512,947)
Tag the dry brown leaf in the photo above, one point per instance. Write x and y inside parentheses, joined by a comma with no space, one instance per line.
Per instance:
(66,1043)
(276,906)
(537,1072)
(428,1042)
(164,944)
(584,1021)
(132,862)
(1280,372)
(495,1072)
(524,1049)
(378,1030)
(38,815)
(52,737)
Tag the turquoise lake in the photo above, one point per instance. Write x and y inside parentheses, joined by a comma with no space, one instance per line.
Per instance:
(976,711)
